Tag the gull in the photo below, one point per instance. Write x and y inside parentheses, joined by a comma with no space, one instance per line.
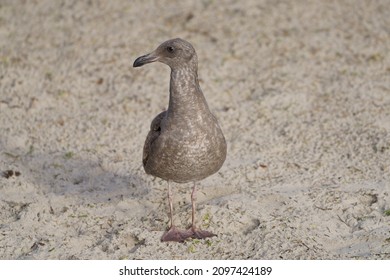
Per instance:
(185,143)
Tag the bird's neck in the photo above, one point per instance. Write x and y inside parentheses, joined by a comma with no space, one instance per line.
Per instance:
(186,97)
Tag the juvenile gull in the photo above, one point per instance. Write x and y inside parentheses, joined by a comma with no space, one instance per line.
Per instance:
(185,142)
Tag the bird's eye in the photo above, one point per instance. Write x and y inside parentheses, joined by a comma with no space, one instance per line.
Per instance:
(170,49)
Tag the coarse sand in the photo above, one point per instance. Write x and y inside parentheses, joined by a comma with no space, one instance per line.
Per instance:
(301,90)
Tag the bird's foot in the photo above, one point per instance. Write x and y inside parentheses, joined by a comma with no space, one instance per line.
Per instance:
(176,235)
(200,234)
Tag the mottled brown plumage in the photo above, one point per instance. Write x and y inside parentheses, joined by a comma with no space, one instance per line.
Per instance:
(185,143)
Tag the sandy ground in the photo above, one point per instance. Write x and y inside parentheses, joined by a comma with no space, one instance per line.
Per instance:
(302,91)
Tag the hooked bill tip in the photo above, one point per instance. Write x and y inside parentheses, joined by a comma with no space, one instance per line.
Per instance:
(137,62)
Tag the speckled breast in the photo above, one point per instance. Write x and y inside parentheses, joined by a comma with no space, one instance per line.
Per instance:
(190,155)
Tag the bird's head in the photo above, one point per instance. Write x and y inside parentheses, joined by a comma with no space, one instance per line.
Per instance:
(175,53)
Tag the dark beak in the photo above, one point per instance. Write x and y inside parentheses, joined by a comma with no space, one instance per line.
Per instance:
(142,60)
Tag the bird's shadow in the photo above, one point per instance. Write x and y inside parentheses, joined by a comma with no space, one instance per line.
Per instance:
(89,178)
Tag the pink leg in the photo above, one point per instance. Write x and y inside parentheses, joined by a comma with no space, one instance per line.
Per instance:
(193,199)
(170,199)
(174,234)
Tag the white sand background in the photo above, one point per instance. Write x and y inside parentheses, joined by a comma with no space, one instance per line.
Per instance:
(302,92)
